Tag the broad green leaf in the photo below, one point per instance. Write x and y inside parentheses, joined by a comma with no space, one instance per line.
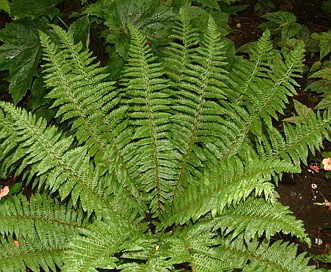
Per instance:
(324,39)
(4,5)
(80,30)
(151,17)
(34,8)
(209,3)
(177,4)
(282,21)
(98,9)
(20,54)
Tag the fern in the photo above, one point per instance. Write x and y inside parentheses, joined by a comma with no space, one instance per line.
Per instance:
(171,168)
(199,86)
(322,85)
(41,228)
(146,92)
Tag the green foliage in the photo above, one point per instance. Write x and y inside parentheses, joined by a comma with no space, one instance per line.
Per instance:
(324,39)
(326,8)
(172,167)
(263,5)
(283,23)
(322,85)
(153,18)
(20,54)
(42,232)
(4,5)
(33,9)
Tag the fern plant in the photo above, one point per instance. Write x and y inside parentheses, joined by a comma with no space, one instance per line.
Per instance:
(173,168)
(322,85)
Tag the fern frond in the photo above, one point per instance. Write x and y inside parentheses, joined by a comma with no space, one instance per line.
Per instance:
(300,139)
(266,95)
(256,256)
(39,144)
(257,217)
(78,89)
(146,95)
(41,228)
(100,246)
(32,252)
(179,53)
(196,120)
(198,246)
(234,181)
(45,154)
(246,72)
(203,249)
(41,215)
(279,256)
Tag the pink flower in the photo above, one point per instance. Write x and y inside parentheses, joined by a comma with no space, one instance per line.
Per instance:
(327,164)
(4,192)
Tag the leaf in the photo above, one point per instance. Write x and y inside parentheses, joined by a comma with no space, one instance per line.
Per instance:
(303,113)
(209,3)
(80,30)
(324,39)
(33,8)
(282,21)
(4,5)
(151,17)
(20,54)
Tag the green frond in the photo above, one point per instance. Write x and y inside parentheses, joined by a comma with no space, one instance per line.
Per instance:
(249,71)
(267,94)
(148,101)
(41,215)
(198,247)
(79,87)
(196,121)
(26,141)
(156,264)
(203,249)
(149,255)
(279,256)
(233,182)
(255,218)
(305,137)
(43,153)
(179,53)
(42,227)
(228,254)
(99,246)
(32,252)
(256,256)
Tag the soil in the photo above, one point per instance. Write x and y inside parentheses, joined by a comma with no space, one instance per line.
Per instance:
(300,192)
